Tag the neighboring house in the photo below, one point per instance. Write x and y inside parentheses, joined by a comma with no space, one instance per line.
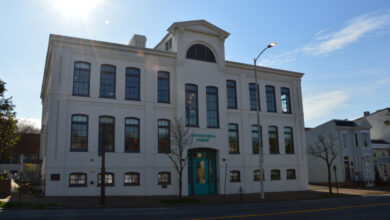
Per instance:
(28,146)
(380,124)
(125,98)
(381,155)
(354,161)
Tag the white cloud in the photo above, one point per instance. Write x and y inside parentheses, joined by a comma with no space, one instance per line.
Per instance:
(351,33)
(279,59)
(324,104)
(36,122)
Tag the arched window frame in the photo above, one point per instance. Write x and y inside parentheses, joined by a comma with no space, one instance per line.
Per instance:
(128,88)
(138,135)
(201,52)
(71,132)
(187,92)
(103,83)
(77,82)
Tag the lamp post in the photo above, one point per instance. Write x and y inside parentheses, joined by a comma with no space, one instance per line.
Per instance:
(261,152)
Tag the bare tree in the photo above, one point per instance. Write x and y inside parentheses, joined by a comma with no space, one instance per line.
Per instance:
(182,141)
(325,148)
(25,127)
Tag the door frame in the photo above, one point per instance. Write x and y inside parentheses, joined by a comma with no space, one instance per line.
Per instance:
(211,156)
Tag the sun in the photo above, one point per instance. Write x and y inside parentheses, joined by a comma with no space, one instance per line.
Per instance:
(74,9)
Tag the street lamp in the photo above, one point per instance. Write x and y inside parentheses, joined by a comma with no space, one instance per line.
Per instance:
(261,152)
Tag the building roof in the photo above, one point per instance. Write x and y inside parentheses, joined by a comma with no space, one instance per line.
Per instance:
(345,123)
(379,142)
(377,111)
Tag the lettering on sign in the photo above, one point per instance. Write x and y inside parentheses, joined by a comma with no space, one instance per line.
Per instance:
(203,137)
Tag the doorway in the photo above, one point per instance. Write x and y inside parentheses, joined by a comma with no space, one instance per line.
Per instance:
(202,172)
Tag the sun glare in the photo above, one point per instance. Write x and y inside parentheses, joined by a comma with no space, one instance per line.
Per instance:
(74,9)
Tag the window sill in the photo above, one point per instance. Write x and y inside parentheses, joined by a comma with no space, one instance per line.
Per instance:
(136,184)
(77,150)
(163,183)
(132,151)
(84,185)
(164,102)
(136,100)
(109,185)
(107,97)
(80,95)
(234,152)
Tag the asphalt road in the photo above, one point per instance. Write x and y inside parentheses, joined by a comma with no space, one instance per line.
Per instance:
(369,207)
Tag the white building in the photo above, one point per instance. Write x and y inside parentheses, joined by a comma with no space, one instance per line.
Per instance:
(126,96)
(354,161)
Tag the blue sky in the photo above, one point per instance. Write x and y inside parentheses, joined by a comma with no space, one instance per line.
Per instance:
(341,46)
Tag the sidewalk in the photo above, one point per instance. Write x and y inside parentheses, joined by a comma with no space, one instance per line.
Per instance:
(314,192)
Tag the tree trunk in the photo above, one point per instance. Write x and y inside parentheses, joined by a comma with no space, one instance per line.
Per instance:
(180,184)
(329,180)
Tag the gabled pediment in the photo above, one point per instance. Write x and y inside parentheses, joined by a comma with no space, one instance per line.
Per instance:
(364,124)
(201,26)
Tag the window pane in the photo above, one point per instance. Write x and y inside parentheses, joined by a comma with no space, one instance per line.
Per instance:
(231,94)
(132,135)
(163,87)
(164,178)
(79,133)
(77,179)
(191,105)
(275,174)
(285,97)
(291,174)
(255,139)
(132,179)
(288,140)
(271,104)
(212,107)
(235,176)
(106,133)
(107,81)
(163,136)
(132,84)
(200,52)
(233,138)
(252,96)
(81,79)
(273,140)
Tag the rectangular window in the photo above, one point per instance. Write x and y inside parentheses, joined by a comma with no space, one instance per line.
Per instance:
(79,133)
(288,140)
(275,174)
(286,102)
(163,87)
(132,135)
(255,139)
(81,77)
(212,107)
(164,178)
(256,175)
(271,102)
(77,179)
(107,81)
(356,140)
(252,97)
(55,177)
(233,139)
(365,139)
(164,143)
(345,140)
(132,84)
(291,174)
(108,179)
(231,92)
(131,179)
(106,133)
(235,176)
(191,104)
(273,140)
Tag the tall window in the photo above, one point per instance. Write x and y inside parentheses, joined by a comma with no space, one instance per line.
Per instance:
(345,140)
(81,78)
(131,179)
(164,143)
(79,133)
(231,92)
(275,174)
(288,140)
(356,140)
(212,107)
(108,179)
(235,176)
(365,139)
(255,139)
(200,52)
(233,139)
(107,81)
(291,174)
(164,178)
(191,105)
(132,83)
(106,133)
(273,140)
(286,102)
(271,103)
(163,87)
(132,135)
(252,96)
(78,179)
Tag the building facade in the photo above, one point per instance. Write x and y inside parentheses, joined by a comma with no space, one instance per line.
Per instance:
(354,162)
(125,98)
(381,155)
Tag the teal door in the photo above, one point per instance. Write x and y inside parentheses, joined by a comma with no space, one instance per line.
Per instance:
(201,176)
(202,168)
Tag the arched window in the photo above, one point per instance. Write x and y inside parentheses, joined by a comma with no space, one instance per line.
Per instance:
(288,140)
(132,135)
(79,133)
(81,78)
(200,52)
(132,91)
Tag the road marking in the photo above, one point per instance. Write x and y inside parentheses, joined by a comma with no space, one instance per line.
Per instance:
(296,211)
